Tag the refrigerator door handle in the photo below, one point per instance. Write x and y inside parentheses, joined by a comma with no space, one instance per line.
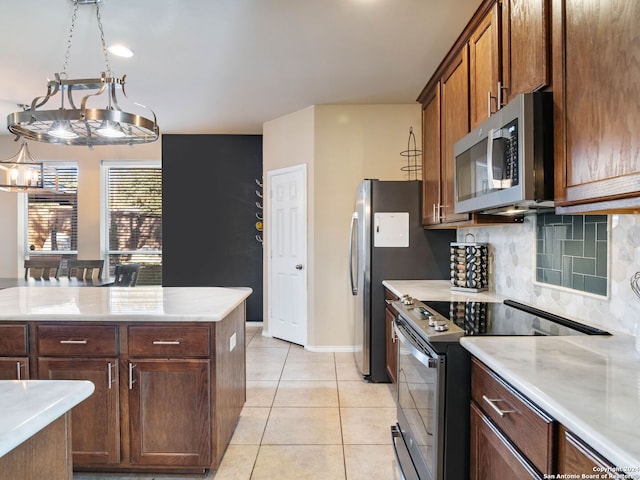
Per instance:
(354,228)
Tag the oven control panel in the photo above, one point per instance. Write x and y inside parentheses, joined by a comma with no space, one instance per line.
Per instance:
(430,324)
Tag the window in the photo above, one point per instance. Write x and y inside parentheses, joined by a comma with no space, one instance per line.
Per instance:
(52,218)
(134,218)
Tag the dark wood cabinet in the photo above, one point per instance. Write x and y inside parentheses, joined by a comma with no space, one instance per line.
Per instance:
(170,416)
(14,368)
(525,47)
(492,455)
(431,156)
(391,339)
(96,421)
(528,429)
(484,71)
(454,125)
(512,438)
(14,362)
(576,458)
(596,115)
(167,397)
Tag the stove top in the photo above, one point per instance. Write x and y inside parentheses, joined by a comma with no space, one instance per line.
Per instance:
(442,321)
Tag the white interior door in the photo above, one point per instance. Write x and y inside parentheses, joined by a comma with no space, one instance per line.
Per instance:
(286,230)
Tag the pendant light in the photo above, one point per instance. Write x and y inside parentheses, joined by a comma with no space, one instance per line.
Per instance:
(81,122)
(23,174)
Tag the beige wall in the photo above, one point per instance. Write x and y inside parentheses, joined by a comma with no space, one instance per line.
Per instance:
(89,235)
(341,145)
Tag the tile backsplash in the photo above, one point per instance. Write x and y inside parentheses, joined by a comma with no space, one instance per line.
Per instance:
(513,272)
(572,251)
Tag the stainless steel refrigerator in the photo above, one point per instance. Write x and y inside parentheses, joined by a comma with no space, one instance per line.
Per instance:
(388,242)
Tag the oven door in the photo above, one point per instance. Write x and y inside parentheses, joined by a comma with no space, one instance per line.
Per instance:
(420,403)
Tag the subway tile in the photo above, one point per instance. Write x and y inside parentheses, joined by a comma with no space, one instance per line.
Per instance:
(567,270)
(577,282)
(553,277)
(601,259)
(597,285)
(573,247)
(586,266)
(601,231)
(595,218)
(578,227)
(589,240)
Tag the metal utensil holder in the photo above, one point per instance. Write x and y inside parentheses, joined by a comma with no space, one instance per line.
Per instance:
(469,266)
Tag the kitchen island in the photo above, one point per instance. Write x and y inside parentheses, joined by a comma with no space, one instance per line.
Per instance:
(168,364)
(34,427)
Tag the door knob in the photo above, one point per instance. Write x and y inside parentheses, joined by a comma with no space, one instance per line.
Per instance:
(299,266)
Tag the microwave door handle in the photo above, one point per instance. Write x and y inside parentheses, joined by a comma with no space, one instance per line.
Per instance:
(491,135)
(490,179)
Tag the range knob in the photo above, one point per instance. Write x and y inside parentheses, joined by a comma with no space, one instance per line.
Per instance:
(440,325)
(406,300)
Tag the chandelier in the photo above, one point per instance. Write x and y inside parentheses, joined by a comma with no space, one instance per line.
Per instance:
(78,121)
(22,174)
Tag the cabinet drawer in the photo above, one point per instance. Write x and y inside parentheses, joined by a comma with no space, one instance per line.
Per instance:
(161,341)
(528,428)
(13,340)
(77,340)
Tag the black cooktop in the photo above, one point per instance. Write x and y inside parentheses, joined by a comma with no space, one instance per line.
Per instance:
(508,318)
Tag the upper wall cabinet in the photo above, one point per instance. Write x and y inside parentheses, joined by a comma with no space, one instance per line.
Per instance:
(484,72)
(525,47)
(596,82)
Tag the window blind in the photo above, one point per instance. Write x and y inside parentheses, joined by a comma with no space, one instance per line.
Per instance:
(52,218)
(135,220)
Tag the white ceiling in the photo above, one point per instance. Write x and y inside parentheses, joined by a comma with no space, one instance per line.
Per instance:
(228,66)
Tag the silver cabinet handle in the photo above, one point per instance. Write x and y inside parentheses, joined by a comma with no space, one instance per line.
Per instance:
(500,89)
(131,380)
(18,373)
(299,266)
(109,376)
(74,342)
(491,403)
(166,342)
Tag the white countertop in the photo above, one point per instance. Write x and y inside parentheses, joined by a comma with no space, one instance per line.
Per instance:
(27,406)
(590,384)
(437,290)
(193,304)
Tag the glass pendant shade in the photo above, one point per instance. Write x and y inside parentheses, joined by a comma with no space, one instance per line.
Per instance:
(21,173)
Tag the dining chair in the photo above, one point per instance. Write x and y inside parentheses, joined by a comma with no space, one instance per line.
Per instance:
(41,268)
(125,275)
(85,270)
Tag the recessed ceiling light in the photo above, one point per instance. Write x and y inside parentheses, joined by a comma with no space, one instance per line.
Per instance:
(121,51)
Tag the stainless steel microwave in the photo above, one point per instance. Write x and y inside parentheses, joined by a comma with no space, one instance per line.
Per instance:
(505,165)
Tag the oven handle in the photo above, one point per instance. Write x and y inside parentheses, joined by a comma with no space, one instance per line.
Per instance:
(395,435)
(418,353)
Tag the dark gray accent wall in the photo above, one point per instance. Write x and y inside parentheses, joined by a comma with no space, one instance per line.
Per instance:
(209,213)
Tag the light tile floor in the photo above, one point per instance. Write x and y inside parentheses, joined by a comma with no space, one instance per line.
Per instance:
(307,416)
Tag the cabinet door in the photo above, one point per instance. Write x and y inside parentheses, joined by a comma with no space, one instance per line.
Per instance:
(484,73)
(454,124)
(596,67)
(96,421)
(576,458)
(169,406)
(14,368)
(492,456)
(392,347)
(431,177)
(525,46)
